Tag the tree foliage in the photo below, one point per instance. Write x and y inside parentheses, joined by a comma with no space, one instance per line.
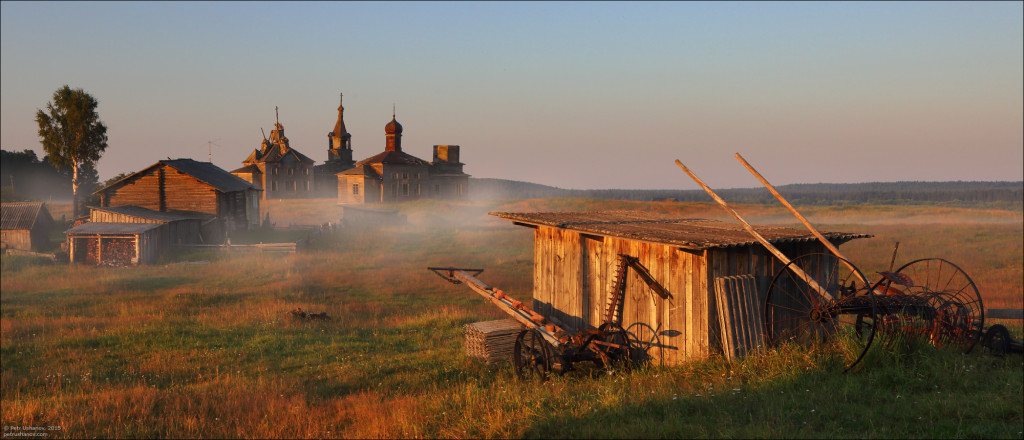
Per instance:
(72,134)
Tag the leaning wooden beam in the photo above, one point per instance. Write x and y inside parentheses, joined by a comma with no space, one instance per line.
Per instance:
(514,308)
(803,220)
(775,251)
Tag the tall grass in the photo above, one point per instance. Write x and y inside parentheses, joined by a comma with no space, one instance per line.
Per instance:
(210,350)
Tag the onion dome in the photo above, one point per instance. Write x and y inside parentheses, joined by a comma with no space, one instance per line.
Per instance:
(393,127)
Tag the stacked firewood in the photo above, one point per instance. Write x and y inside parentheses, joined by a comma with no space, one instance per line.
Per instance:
(492,341)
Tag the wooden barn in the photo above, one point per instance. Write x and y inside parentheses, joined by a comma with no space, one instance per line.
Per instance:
(114,244)
(180,227)
(25,225)
(575,255)
(189,185)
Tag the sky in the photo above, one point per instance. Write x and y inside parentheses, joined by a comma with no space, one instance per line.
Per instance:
(575,95)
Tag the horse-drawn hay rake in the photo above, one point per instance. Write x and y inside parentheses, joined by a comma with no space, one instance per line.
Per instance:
(826,301)
(546,345)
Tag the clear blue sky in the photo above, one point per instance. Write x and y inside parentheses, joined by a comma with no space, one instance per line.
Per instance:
(577,95)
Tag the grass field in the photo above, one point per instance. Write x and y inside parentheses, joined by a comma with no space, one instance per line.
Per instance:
(209,350)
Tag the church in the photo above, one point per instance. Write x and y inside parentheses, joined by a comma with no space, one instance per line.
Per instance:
(393,175)
(281,171)
(389,177)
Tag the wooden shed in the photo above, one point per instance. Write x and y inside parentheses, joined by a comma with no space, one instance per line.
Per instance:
(25,225)
(114,244)
(575,254)
(182,227)
(189,185)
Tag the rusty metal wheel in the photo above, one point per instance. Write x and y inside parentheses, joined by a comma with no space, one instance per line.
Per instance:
(959,314)
(531,356)
(997,340)
(615,348)
(794,312)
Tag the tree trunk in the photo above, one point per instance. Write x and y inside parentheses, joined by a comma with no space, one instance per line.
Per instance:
(74,191)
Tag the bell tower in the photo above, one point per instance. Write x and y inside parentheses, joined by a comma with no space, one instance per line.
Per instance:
(393,134)
(339,141)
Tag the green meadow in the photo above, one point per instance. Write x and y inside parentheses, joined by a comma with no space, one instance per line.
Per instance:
(203,345)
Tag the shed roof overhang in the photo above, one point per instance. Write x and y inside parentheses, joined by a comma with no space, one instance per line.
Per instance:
(685,233)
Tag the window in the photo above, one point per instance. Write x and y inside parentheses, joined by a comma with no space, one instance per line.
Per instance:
(273,184)
(305,185)
(417,189)
(394,188)
(460,190)
(437,189)
(275,171)
(293,185)
(355,189)
(395,176)
(405,175)
(291,171)
(405,189)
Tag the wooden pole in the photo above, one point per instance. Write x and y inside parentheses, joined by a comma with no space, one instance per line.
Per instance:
(803,220)
(775,251)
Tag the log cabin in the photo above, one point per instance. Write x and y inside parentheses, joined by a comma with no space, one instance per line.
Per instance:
(575,255)
(192,186)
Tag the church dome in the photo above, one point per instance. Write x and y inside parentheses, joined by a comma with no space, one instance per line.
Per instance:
(393,127)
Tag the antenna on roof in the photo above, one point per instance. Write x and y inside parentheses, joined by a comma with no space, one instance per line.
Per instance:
(209,146)
(392,110)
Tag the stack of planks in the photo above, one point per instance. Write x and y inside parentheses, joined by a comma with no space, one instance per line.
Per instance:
(492,341)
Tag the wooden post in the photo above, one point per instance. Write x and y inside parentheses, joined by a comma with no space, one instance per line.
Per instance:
(803,220)
(775,251)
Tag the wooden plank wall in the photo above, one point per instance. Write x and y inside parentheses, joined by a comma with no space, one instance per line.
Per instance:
(571,280)
(572,273)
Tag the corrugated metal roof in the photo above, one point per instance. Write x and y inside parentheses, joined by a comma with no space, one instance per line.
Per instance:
(138,211)
(20,215)
(687,233)
(112,228)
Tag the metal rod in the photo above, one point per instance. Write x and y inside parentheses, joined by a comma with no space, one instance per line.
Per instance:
(775,251)
(803,220)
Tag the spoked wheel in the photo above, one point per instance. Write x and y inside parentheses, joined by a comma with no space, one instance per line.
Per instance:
(531,356)
(959,314)
(614,348)
(795,312)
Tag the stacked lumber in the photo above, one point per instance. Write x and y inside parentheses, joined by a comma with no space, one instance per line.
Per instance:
(492,341)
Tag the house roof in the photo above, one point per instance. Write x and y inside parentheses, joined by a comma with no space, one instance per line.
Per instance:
(686,233)
(393,158)
(21,215)
(273,153)
(149,214)
(360,170)
(112,228)
(248,169)
(205,172)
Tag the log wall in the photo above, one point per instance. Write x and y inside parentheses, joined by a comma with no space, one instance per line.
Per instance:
(162,189)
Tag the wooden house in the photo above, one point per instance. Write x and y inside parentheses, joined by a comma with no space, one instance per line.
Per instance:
(25,225)
(575,255)
(189,185)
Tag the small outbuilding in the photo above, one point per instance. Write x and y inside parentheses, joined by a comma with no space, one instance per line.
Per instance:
(25,225)
(575,255)
(114,244)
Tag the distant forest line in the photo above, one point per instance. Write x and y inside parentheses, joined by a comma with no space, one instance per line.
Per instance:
(991,195)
